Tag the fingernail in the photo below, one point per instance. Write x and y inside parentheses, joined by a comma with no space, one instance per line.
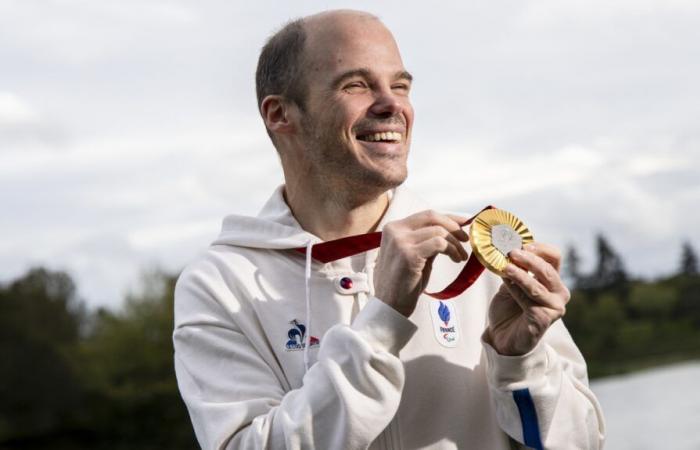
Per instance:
(509,270)
(530,247)
(516,253)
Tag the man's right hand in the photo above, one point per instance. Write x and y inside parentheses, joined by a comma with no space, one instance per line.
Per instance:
(406,256)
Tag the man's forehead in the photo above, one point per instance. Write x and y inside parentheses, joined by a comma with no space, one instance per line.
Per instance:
(332,36)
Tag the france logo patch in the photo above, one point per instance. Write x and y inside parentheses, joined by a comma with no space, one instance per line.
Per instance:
(444,315)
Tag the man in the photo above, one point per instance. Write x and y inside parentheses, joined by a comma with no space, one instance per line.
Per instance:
(276,349)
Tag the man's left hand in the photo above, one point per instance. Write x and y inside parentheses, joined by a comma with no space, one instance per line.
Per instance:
(525,305)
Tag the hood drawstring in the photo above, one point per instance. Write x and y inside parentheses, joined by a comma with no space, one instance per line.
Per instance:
(307,278)
(369,271)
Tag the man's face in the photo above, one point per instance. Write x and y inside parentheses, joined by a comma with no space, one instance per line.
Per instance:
(356,127)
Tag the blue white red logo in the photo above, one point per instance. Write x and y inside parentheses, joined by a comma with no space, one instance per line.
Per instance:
(297,337)
(444,315)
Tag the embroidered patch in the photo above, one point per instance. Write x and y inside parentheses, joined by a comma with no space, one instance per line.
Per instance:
(444,315)
(297,337)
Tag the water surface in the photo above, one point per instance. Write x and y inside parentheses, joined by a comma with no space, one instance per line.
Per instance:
(654,409)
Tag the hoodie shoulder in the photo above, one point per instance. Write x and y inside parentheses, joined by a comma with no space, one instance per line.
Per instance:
(214,281)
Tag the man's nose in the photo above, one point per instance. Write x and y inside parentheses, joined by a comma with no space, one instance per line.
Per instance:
(386,103)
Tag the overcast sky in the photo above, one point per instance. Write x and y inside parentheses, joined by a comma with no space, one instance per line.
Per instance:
(129,129)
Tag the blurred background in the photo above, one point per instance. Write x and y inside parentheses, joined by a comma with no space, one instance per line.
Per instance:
(129,129)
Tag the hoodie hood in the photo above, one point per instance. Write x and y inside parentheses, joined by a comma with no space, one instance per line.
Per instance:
(275,227)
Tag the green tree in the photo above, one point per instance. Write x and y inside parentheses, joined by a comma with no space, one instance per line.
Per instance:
(128,369)
(688,304)
(610,269)
(40,322)
(572,266)
(653,301)
(608,276)
(689,261)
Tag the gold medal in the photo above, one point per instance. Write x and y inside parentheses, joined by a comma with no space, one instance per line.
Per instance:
(493,234)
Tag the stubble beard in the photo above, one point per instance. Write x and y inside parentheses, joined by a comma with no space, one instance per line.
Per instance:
(337,170)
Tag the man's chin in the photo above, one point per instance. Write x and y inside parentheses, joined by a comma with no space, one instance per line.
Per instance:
(387,179)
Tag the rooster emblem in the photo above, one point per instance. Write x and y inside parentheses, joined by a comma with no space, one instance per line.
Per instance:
(297,337)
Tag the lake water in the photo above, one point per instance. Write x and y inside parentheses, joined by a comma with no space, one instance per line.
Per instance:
(654,409)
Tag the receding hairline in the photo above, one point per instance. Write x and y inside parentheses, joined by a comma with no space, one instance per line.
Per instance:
(321,26)
(325,16)
(330,21)
(307,28)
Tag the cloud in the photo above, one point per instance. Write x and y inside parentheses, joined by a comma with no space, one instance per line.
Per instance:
(13,110)
(80,31)
(23,127)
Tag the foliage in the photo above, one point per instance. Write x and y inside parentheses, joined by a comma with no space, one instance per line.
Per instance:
(572,266)
(113,387)
(39,327)
(621,324)
(609,274)
(689,261)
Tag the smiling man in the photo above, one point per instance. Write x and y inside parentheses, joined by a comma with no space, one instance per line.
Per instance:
(278,346)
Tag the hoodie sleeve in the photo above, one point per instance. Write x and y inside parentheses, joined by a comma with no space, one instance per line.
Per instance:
(542,398)
(237,401)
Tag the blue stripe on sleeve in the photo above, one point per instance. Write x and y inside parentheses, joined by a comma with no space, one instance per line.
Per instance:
(528,417)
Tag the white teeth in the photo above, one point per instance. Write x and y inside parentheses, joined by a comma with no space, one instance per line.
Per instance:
(386,136)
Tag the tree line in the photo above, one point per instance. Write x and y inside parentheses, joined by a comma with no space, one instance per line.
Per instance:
(72,378)
(622,323)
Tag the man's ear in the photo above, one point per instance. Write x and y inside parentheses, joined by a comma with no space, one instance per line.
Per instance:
(277,114)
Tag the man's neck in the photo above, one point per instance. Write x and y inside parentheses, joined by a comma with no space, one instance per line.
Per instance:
(330,216)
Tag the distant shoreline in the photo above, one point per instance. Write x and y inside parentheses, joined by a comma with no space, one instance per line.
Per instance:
(600,371)
(641,369)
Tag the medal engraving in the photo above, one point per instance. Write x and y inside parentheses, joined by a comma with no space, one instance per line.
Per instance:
(505,239)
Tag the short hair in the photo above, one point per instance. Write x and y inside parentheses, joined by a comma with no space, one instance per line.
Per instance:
(280,66)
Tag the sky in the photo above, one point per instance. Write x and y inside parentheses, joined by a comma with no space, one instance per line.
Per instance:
(129,129)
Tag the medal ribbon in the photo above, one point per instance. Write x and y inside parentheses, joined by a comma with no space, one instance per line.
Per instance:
(329,251)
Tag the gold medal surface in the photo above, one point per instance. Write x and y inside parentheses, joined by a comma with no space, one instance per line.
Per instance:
(494,233)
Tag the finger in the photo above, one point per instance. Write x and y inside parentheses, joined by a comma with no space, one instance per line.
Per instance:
(463,255)
(518,294)
(461,220)
(527,304)
(461,234)
(544,272)
(430,217)
(433,246)
(548,252)
(426,233)
(533,289)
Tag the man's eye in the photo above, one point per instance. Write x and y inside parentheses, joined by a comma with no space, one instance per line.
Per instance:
(402,87)
(355,86)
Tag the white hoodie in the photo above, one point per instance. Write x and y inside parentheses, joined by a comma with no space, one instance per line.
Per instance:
(245,314)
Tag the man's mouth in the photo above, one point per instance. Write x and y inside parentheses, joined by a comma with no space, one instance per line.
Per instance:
(387,136)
